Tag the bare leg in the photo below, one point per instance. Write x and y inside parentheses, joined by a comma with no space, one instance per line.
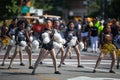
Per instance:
(101,56)
(58,53)
(14,55)
(70,55)
(1,47)
(44,56)
(118,60)
(85,41)
(27,49)
(7,53)
(78,55)
(21,58)
(62,52)
(42,52)
(67,52)
(113,57)
(53,55)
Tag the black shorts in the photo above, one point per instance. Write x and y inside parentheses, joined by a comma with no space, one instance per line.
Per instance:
(48,46)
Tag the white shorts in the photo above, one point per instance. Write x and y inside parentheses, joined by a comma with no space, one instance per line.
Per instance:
(85,34)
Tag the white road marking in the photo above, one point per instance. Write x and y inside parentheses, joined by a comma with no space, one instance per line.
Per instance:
(89,78)
(67,61)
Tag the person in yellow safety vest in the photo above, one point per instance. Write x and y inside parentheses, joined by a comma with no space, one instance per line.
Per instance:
(97,24)
(100,26)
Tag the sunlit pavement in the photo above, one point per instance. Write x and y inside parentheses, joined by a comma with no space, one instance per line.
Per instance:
(69,71)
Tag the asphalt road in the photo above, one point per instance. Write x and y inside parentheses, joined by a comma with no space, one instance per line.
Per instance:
(69,71)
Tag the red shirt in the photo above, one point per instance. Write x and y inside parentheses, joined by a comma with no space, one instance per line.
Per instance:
(38,27)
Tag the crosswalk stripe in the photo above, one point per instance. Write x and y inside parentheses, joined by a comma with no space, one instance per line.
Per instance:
(91,78)
(67,61)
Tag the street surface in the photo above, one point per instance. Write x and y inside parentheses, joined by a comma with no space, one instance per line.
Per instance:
(69,71)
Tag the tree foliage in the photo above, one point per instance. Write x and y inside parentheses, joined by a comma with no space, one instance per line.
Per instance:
(94,4)
(9,8)
(114,10)
(110,9)
(53,7)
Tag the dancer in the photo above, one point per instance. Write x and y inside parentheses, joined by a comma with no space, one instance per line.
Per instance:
(3,35)
(72,42)
(47,46)
(11,35)
(107,47)
(59,41)
(20,36)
